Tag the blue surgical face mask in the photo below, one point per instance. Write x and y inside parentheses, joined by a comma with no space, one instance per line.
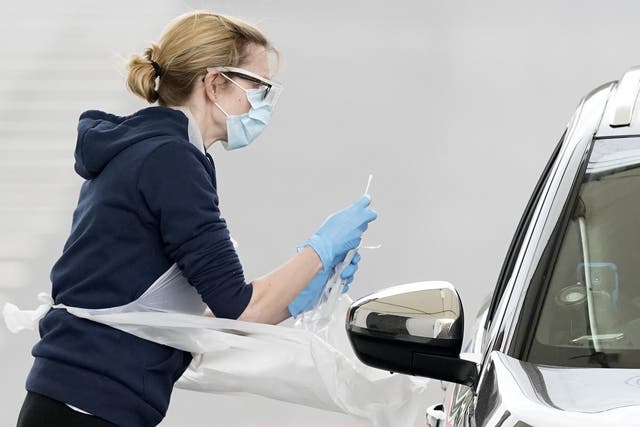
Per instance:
(245,128)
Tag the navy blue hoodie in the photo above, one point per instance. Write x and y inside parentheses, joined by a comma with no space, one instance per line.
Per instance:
(149,200)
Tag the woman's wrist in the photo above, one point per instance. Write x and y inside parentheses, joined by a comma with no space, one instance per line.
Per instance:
(312,258)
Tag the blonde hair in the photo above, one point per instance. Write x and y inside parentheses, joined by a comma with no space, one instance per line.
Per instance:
(188,45)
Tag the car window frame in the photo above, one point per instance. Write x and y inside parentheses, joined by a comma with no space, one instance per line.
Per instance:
(515,246)
(519,344)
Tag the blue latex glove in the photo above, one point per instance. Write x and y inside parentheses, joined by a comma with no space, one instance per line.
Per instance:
(310,295)
(341,232)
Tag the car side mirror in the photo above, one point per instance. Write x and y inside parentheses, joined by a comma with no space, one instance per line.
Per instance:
(416,329)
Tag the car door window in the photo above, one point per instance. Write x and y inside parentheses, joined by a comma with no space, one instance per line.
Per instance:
(584,302)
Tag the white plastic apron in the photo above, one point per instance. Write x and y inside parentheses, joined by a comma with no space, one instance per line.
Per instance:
(311,364)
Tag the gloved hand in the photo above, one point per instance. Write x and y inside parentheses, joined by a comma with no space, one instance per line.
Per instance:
(309,296)
(341,232)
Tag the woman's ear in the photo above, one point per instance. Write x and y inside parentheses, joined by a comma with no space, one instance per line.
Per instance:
(212,85)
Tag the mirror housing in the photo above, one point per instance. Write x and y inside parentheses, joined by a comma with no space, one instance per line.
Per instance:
(415,329)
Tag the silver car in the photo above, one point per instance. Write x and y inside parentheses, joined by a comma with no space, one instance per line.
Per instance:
(558,342)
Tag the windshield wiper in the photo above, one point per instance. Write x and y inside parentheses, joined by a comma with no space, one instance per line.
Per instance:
(601,358)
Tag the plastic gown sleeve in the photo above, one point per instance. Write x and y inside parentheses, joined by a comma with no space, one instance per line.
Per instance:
(179,191)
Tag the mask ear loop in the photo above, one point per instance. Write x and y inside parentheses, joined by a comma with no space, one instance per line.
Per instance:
(246,91)
(231,80)
(215,103)
(220,108)
(234,82)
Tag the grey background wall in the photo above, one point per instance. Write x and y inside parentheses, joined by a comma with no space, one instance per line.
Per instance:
(453,106)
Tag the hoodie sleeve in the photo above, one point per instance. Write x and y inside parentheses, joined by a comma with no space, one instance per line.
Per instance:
(179,192)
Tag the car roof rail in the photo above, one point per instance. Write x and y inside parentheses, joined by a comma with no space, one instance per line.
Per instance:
(625,97)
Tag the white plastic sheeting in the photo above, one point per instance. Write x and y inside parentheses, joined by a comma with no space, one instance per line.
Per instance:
(310,364)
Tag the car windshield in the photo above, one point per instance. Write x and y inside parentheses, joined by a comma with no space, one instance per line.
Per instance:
(590,312)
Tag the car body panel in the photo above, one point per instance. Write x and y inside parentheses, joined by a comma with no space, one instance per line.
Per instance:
(526,394)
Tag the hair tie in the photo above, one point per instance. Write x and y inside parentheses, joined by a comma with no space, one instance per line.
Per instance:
(158,69)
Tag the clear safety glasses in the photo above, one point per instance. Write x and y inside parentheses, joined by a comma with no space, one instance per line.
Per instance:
(272,89)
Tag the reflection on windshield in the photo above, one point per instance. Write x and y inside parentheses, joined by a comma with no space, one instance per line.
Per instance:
(591,312)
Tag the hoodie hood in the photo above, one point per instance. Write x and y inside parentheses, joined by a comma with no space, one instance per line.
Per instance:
(102,136)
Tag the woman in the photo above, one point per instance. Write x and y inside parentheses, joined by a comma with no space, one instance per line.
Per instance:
(150,200)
